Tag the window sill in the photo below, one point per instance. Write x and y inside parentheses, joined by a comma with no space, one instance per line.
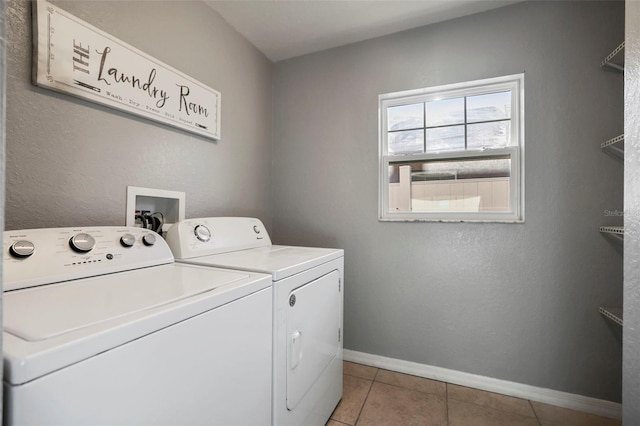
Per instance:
(452,220)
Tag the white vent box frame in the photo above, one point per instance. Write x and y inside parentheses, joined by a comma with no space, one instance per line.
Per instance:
(170,203)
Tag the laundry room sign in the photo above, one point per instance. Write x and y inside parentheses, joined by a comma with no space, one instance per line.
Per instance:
(76,58)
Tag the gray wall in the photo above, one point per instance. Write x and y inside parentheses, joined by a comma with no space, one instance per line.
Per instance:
(631,357)
(69,161)
(514,302)
(3,62)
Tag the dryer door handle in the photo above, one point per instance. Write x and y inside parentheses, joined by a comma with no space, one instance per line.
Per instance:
(295,344)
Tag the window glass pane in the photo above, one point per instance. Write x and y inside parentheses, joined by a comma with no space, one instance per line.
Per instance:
(496,134)
(445,112)
(445,138)
(406,142)
(405,117)
(451,186)
(493,106)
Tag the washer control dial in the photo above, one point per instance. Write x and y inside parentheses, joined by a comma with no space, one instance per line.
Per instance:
(202,233)
(82,242)
(149,239)
(127,240)
(22,249)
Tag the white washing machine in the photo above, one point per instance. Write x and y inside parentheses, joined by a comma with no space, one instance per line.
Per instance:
(101,327)
(307,303)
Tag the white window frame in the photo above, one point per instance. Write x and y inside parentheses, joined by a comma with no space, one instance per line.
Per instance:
(513,83)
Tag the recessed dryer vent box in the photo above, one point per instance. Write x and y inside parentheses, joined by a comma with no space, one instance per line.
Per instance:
(169,203)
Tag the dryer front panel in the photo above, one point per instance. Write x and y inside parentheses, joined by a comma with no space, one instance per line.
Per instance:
(313,333)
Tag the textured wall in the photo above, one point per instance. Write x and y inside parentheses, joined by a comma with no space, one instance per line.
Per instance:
(3,50)
(515,302)
(69,161)
(631,349)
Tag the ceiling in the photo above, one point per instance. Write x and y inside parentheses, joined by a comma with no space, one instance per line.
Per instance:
(283,29)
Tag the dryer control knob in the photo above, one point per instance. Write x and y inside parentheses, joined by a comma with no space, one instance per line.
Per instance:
(202,233)
(22,249)
(127,240)
(149,239)
(82,243)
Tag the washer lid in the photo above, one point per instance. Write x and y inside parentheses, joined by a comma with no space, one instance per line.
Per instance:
(49,327)
(61,308)
(279,261)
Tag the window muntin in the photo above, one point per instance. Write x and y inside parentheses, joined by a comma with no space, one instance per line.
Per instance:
(453,139)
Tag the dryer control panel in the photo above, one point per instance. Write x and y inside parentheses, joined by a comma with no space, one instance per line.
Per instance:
(49,255)
(205,236)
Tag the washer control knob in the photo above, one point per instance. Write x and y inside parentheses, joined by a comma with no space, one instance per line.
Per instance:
(256,229)
(82,242)
(149,239)
(22,249)
(202,233)
(127,240)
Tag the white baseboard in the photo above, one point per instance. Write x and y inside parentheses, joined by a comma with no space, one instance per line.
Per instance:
(548,396)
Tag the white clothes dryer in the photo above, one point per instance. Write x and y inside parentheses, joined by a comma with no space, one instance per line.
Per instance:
(307,303)
(101,327)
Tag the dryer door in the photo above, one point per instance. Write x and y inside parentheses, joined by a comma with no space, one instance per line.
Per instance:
(313,322)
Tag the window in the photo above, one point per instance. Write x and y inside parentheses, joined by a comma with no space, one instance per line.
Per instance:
(453,153)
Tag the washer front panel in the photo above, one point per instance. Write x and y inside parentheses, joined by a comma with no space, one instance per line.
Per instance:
(211,369)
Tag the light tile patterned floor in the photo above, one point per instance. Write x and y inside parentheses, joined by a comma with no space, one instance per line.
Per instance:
(376,397)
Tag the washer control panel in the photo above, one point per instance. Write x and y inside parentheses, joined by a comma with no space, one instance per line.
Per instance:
(212,235)
(44,256)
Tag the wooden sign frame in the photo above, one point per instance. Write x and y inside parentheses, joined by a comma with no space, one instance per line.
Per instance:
(76,58)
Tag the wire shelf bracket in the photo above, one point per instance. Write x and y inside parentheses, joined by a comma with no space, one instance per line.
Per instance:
(614,314)
(616,232)
(612,61)
(614,146)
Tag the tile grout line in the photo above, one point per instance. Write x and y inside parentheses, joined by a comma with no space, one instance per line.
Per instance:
(534,412)
(446,400)
(372,379)
(445,397)
(355,422)
(501,410)
(366,397)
